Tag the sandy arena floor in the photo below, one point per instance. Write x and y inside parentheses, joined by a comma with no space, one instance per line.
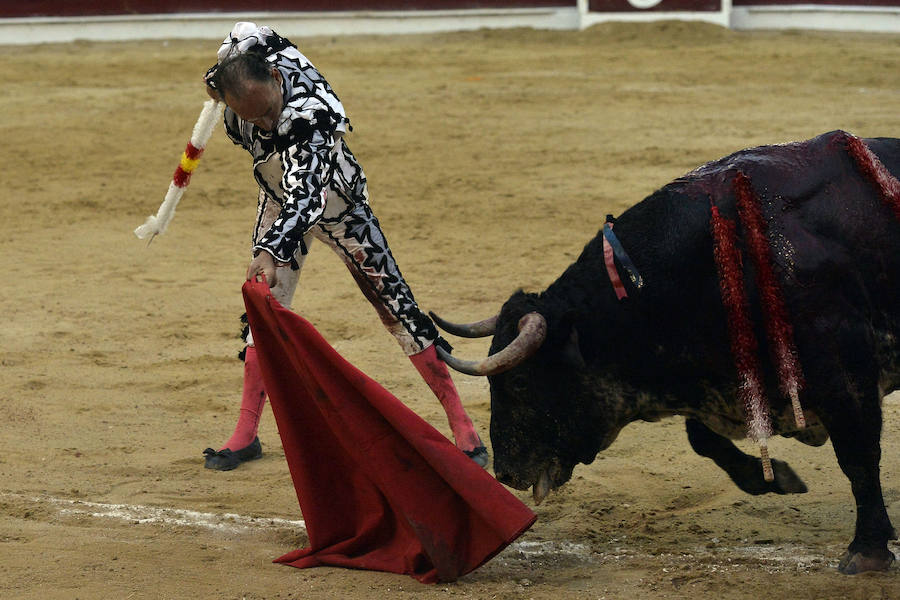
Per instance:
(492,159)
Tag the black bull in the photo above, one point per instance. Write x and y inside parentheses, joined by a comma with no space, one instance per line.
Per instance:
(599,363)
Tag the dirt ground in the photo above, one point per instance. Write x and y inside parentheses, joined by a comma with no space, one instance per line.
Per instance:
(492,158)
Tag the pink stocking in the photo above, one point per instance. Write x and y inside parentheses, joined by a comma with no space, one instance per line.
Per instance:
(434,371)
(252,403)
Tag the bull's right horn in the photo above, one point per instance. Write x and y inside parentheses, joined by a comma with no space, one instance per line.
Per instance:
(478,329)
(532,332)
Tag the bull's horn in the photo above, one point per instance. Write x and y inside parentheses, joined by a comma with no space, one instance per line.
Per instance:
(532,332)
(541,487)
(477,329)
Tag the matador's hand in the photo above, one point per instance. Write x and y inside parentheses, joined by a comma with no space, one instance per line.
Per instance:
(263,264)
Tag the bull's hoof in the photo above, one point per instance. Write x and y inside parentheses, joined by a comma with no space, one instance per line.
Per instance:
(855,562)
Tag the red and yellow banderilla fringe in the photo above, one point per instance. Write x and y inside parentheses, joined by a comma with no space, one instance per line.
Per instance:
(190,158)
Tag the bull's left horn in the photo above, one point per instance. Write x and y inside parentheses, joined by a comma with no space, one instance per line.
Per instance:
(477,329)
(532,332)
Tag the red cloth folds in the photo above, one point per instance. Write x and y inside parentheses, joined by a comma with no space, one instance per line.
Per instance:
(379,488)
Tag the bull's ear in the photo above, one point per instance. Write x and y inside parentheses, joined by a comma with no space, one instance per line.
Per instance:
(566,348)
(571,351)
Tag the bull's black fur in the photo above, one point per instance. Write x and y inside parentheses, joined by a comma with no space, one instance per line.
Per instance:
(665,349)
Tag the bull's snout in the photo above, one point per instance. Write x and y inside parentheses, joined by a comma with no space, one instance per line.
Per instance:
(504,478)
(508,479)
(540,488)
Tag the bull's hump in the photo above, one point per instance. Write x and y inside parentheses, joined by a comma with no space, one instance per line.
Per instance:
(768,167)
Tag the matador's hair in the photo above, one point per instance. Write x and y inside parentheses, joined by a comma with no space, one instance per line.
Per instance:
(234,72)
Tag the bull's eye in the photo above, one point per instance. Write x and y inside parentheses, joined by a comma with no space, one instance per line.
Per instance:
(517,380)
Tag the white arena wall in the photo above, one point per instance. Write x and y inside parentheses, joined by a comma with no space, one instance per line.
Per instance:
(858,16)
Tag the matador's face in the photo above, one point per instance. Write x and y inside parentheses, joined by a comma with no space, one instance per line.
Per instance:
(259,102)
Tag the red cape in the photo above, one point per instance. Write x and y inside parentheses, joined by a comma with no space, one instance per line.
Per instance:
(379,488)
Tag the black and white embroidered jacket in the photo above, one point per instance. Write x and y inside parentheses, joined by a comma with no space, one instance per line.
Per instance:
(291,164)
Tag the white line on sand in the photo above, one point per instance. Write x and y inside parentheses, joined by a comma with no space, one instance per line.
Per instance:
(778,557)
(235,523)
(136,513)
